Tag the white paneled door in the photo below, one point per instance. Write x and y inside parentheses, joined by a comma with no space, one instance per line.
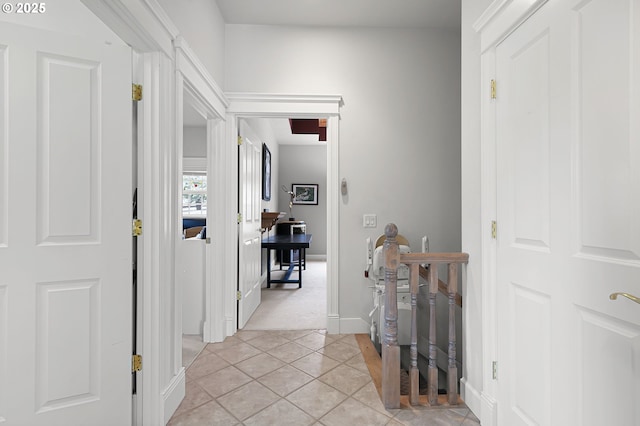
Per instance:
(568,214)
(249,184)
(65,230)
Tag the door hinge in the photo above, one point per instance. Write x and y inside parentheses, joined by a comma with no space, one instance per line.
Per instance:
(239,140)
(136,92)
(494,370)
(136,363)
(494,229)
(493,89)
(238,295)
(136,229)
(239,217)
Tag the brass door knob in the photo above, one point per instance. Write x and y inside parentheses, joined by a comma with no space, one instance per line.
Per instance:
(614,296)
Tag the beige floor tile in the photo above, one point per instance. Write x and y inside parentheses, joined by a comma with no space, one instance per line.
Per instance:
(223,381)
(315,364)
(246,335)
(315,340)
(282,413)
(345,379)
(357,362)
(415,416)
(194,397)
(290,352)
(316,398)
(259,365)
(369,396)
(349,339)
(247,400)
(268,341)
(228,342)
(352,412)
(339,351)
(294,334)
(206,364)
(238,353)
(210,413)
(285,380)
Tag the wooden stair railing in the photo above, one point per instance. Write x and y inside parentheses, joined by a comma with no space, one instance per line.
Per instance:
(390,348)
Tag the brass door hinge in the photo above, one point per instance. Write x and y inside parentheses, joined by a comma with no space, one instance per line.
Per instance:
(238,295)
(494,370)
(493,89)
(239,217)
(239,140)
(136,363)
(136,92)
(136,229)
(494,229)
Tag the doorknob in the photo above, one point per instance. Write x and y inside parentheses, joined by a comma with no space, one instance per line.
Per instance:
(614,296)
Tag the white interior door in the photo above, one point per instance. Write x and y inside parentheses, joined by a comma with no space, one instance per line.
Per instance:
(249,275)
(65,229)
(568,156)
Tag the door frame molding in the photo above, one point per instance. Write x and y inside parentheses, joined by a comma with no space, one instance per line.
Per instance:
(256,105)
(499,20)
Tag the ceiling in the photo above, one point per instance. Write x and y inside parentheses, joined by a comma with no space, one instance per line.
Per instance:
(341,13)
(332,13)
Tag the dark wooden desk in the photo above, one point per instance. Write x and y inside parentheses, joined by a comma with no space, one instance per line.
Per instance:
(286,242)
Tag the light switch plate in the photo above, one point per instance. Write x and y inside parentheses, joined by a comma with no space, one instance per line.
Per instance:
(369,220)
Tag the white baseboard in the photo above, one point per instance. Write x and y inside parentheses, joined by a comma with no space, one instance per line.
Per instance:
(489,412)
(354,326)
(333,324)
(471,396)
(317,257)
(173,395)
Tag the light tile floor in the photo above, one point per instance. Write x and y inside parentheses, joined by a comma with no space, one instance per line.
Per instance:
(295,377)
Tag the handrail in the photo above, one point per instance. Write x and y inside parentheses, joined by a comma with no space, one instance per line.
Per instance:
(390,349)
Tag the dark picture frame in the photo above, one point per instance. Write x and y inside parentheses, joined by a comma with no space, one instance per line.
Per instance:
(305,193)
(266,173)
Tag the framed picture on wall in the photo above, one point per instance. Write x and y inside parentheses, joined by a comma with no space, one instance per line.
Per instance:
(266,173)
(305,193)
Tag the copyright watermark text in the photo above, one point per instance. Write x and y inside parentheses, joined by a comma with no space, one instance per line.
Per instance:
(24,8)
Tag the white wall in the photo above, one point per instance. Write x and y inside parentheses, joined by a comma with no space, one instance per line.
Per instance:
(202,26)
(399,127)
(471,207)
(194,142)
(306,164)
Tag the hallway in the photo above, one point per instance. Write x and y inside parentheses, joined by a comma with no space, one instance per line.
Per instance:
(293,377)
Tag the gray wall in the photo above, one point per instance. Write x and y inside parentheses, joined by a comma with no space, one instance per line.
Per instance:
(306,164)
(194,142)
(399,128)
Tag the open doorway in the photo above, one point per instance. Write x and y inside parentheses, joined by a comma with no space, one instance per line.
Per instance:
(297,162)
(191,253)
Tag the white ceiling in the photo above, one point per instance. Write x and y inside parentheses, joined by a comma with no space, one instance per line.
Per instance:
(358,13)
(352,13)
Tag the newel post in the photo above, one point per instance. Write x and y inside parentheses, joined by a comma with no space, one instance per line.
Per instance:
(390,348)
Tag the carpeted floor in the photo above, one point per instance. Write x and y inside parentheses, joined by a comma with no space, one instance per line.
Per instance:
(287,307)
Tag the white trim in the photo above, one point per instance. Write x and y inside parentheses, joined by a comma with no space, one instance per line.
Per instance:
(489,411)
(501,18)
(292,106)
(173,395)
(142,24)
(333,225)
(471,396)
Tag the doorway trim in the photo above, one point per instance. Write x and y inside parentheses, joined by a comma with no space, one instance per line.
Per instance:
(500,19)
(256,105)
